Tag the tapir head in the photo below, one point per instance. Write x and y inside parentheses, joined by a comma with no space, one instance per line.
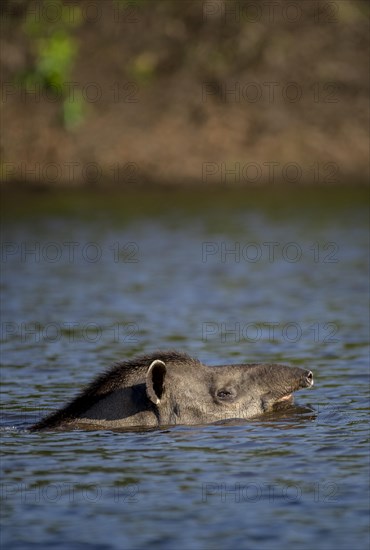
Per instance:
(189,393)
(167,388)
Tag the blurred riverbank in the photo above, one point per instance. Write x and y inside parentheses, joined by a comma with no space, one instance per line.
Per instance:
(184,93)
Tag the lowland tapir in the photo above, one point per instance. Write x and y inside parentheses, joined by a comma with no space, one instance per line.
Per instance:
(169,387)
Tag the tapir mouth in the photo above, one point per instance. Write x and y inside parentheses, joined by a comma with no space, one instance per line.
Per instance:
(285,398)
(305,381)
(282,397)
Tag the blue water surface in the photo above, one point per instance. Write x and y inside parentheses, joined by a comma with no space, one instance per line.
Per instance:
(236,282)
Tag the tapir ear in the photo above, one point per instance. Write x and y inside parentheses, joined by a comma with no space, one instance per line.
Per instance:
(155,381)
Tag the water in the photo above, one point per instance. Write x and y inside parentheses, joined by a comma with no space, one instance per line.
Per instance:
(229,280)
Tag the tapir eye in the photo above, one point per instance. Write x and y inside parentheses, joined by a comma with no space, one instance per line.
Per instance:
(226,395)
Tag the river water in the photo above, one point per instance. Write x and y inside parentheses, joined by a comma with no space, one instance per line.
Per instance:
(88,280)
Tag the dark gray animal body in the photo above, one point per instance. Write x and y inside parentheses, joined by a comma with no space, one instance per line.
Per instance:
(167,388)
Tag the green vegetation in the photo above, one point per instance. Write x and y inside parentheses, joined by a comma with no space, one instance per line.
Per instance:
(55,50)
(143,67)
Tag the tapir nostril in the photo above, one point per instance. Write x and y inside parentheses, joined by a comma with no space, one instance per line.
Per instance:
(309,378)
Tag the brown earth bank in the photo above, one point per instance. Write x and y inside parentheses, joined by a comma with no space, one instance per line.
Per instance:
(192,92)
